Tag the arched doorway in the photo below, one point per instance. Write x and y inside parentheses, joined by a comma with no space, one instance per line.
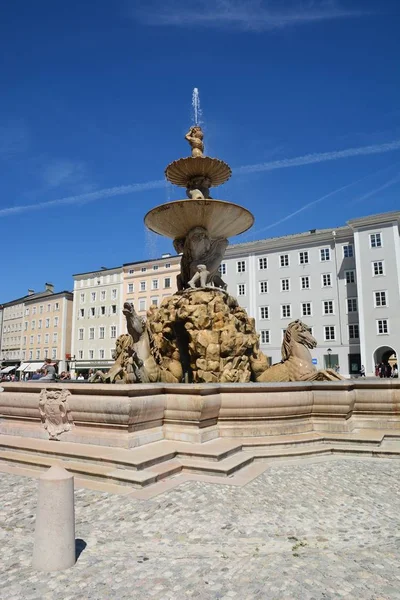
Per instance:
(385,354)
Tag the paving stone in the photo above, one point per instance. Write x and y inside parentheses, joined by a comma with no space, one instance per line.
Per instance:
(313,531)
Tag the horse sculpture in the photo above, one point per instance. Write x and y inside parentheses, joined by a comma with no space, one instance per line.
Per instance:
(137,359)
(296,364)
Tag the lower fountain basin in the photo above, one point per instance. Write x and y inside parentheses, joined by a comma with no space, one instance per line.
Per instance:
(220,218)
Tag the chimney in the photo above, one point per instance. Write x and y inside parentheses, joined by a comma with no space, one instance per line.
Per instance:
(30,292)
(49,287)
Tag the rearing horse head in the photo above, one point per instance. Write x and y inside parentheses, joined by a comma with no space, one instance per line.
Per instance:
(297,332)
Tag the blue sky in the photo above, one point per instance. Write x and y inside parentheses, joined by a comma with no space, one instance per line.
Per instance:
(301,98)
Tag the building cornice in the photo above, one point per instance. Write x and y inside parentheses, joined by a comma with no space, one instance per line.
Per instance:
(289,242)
(371,220)
(65,294)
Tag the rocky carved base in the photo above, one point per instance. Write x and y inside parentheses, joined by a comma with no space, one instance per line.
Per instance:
(204,336)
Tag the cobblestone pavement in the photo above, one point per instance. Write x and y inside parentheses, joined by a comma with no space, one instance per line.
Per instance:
(316,530)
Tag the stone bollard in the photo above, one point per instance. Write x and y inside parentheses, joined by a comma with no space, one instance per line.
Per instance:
(54,546)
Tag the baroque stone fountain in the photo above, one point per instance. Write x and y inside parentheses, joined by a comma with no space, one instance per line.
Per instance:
(200,334)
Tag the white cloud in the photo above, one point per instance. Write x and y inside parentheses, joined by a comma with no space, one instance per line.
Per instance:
(63,172)
(247,15)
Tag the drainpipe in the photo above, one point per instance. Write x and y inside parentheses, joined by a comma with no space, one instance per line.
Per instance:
(337,288)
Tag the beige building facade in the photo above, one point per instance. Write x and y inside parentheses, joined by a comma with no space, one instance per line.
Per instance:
(46,331)
(147,283)
(23,348)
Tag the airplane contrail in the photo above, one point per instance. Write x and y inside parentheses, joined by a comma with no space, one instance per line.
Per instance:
(245,169)
(344,187)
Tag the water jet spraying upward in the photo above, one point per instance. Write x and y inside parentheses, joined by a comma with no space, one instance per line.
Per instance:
(197,113)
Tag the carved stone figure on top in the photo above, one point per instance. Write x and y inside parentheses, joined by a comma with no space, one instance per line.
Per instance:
(198,248)
(195,138)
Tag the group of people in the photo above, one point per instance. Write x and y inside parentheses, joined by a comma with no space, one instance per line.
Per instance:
(385,369)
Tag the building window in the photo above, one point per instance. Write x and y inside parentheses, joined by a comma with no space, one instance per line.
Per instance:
(375,240)
(306,309)
(241,266)
(142,303)
(377,268)
(81,313)
(80,354)
(154,284)
(265,336)
(33,324)
(37,354)
(326,280)
(382,326)
(167,282)
(263,263)
(82,297)
(41,309)
(93,297)
(102,310)
(167,265)
(26,312)
(101,333)
(327,307)
(305,282)
(92,312)
(131,271)
(31,340)
(46,338)
(354,332)
(329,333)
(143,269)
(348,251)
(91,333)
(39,339)
(264,312)
(102,295)
(47,323)
(155,267)
(54,353)
(113,309)
(142,286)
(55,338)
(91,354)
(154,301)
(351,305)
(284,260)
(57,306)
(325,254)
(55,321)
(222,269)
(285,285)
(380,299)
(286,311)
(34,310)
(26,325)
(113,331)
(113,293)
(241,289)
(30,354)
(303,258)
(101,353)
(350,276)
(263,287)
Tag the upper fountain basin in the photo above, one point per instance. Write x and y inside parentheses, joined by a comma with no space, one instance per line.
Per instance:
(220,218)
(182,171)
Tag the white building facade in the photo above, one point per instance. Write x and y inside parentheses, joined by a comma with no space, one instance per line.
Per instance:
(97,319)
(335,280)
